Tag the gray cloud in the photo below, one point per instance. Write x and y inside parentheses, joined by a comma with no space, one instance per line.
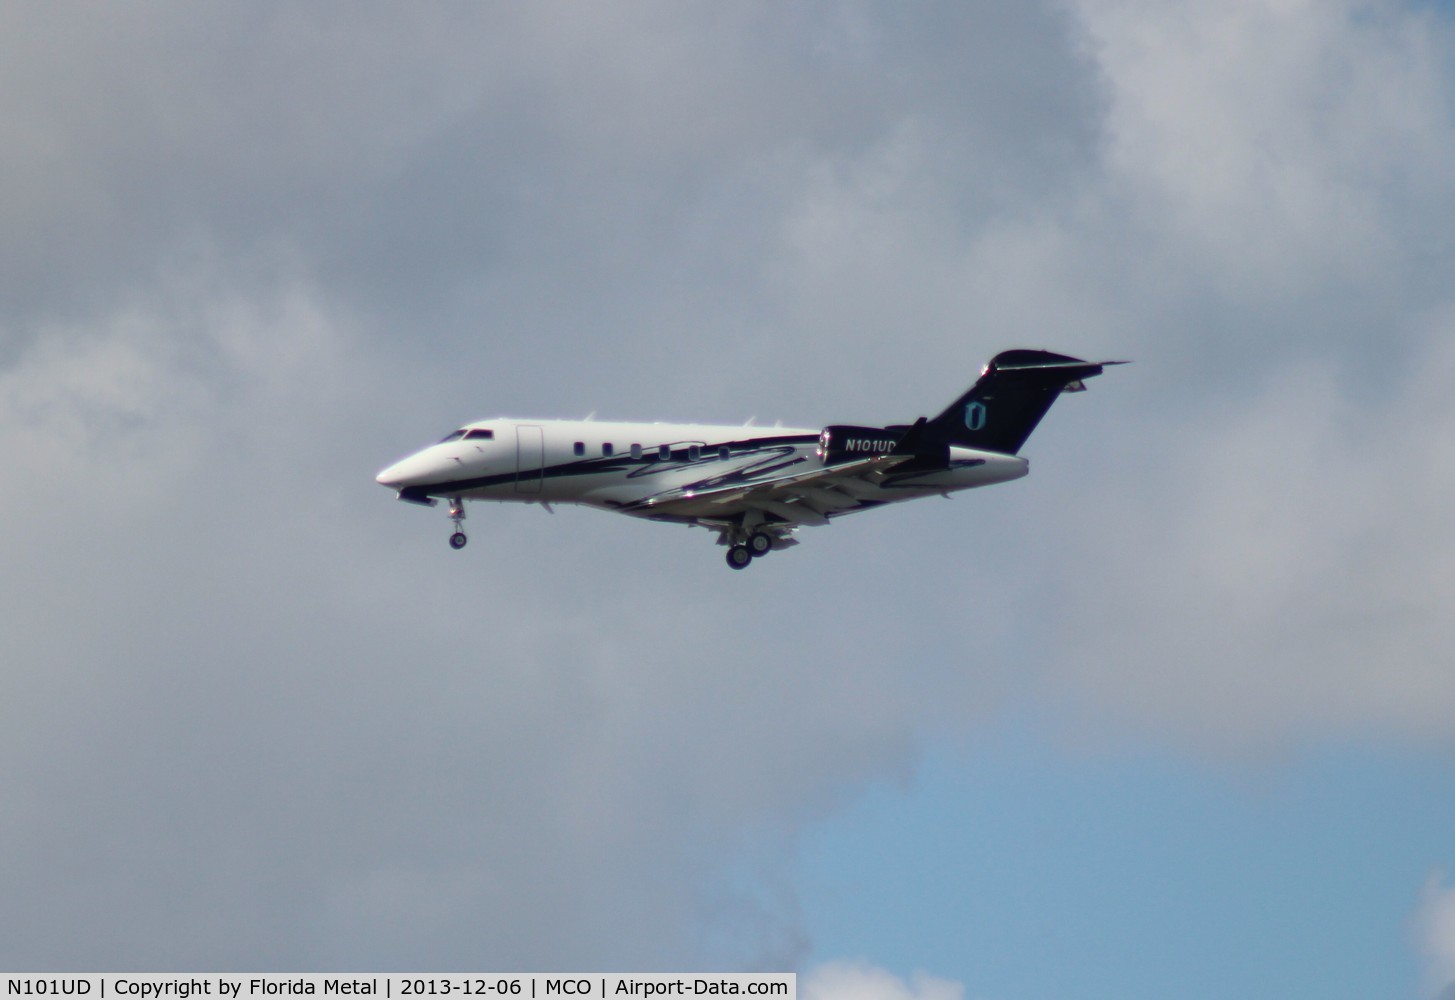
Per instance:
(1274,537)
(860,981)
(258,715)
(1434,928)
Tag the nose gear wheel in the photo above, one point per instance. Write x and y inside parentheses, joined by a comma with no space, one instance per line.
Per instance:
(457,516)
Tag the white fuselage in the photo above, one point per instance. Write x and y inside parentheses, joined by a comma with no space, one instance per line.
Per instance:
(622,466)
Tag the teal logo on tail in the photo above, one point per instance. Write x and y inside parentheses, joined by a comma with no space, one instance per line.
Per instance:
(975,415)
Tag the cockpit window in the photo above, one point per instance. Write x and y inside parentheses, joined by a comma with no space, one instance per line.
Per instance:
(480,435)
(452,437)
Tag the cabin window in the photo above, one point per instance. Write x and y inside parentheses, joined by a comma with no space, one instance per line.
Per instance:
(480,434)
(637,452)
(724,453)
(693,453)
(664,452)
(607,449)
(579,448)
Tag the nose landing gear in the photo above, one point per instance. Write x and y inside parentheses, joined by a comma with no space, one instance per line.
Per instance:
(457,515)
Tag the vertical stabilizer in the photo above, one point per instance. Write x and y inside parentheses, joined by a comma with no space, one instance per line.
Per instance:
(1009,399)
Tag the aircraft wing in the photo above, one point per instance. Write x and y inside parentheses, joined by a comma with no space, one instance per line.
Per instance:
(800,498)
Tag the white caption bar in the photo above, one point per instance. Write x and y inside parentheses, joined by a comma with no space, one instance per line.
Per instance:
(493,985)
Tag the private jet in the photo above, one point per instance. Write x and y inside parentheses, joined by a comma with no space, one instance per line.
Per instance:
(753,486)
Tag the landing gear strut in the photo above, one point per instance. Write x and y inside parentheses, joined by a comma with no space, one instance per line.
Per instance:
(457,515)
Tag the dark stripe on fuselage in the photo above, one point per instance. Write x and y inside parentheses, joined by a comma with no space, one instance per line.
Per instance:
(783,447)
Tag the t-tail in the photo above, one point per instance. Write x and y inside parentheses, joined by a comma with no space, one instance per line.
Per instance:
(1009,399)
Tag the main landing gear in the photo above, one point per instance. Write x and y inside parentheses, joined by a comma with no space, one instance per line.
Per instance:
(457,515)
(756,545)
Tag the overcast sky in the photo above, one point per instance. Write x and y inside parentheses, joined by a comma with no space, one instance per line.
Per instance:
(1171,716)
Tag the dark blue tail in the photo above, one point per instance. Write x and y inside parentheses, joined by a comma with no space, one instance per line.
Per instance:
(1009,399)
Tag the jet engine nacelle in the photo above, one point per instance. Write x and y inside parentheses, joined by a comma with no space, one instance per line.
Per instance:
(844,442)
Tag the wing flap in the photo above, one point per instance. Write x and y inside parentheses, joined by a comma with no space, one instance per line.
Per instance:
(800,498)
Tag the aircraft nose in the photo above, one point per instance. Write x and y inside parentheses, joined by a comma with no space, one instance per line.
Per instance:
(420,469)
(389,477)
(400,473)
